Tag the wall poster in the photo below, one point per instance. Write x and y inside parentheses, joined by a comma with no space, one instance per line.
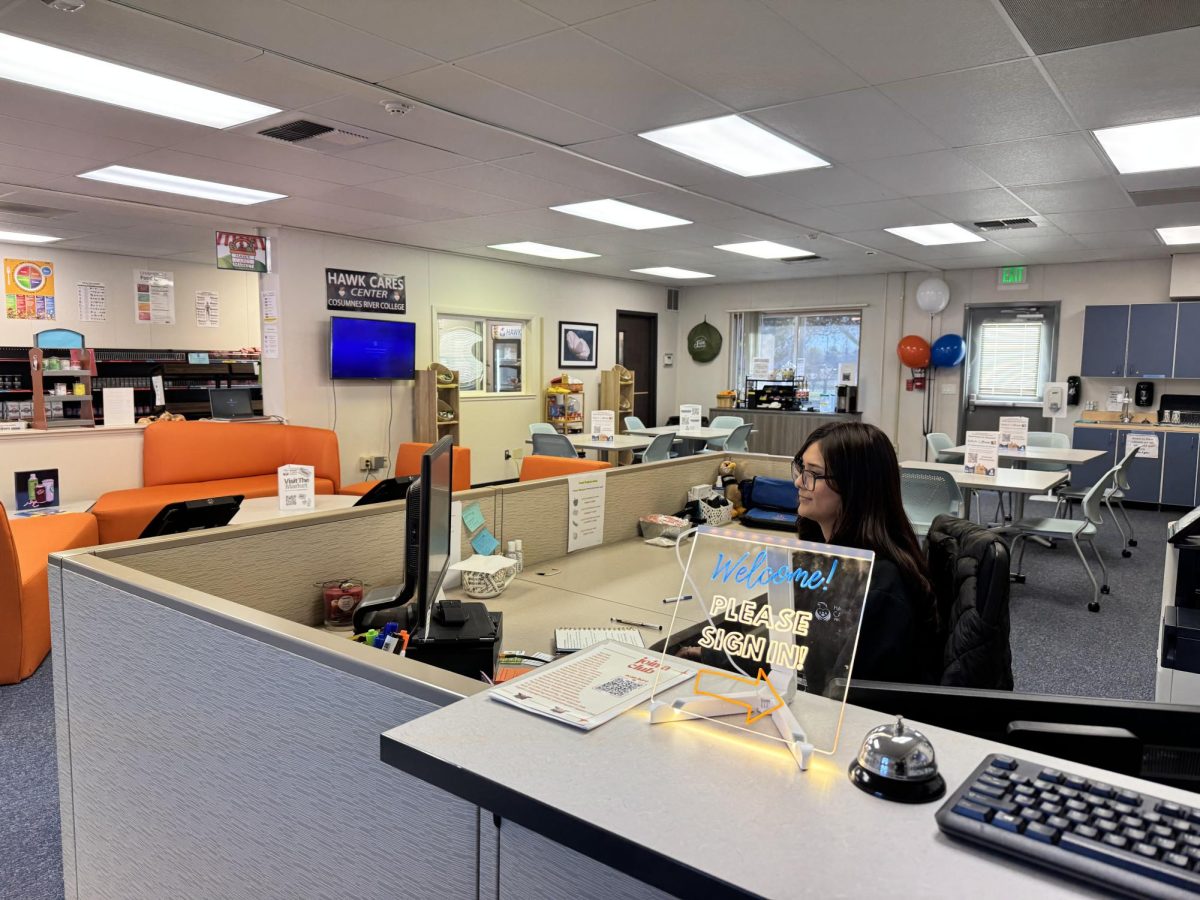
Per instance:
(29,289)
(154,301)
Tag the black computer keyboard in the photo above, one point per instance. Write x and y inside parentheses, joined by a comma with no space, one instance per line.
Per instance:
(1118,839)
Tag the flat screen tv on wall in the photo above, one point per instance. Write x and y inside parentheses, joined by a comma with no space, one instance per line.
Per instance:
(372,348)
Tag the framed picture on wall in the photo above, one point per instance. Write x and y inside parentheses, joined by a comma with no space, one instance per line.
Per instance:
(577,345)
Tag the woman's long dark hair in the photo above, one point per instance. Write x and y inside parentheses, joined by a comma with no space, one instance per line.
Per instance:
(863,469)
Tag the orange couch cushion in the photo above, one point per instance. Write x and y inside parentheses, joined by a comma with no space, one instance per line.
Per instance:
(536,467)
(408,462)
(122,515)
(25,545)
(190,452)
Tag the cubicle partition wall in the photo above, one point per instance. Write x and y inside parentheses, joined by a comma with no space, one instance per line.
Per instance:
(212,742)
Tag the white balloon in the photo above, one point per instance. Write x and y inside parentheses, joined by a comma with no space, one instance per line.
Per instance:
(933,295)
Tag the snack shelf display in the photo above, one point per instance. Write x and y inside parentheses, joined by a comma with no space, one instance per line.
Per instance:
(565,405)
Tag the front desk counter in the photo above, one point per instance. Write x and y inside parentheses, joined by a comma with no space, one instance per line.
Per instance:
(692,809)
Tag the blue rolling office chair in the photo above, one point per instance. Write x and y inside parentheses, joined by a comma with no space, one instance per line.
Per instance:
(739,440)
(542,428)
(723,422)
(659,449)
(927,494)
(553,445)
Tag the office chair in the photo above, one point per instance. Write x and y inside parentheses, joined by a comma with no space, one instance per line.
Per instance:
(542,428)
(633,423)
(739,440)
(723,422)
(928,494)
(1047,439)
(969,565)
(553,445)
(938,443)
(1078,532)
(659,449)
(1068,496)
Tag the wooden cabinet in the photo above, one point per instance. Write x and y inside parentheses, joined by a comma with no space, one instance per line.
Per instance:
(51,371)
(1105,334)
(1151,349)
(1179,452)
(616,393)
(436,408)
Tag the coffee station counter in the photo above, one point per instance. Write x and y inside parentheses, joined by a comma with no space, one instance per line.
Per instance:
(782,431)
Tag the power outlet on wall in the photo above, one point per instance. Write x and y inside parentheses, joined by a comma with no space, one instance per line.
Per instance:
(372,463)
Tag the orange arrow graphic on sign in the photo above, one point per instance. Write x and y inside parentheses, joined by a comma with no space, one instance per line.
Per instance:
(751,715)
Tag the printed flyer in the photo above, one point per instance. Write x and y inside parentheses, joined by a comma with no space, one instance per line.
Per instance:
(603,424)
(1014,433)
(154,301)
(983,453)
(29,289)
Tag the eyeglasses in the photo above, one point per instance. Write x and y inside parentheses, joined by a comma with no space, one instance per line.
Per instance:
(807,479)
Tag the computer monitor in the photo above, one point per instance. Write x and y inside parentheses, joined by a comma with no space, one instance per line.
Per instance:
(386,490)
(193,515)
(1156,741)
(426,548)
(230,403)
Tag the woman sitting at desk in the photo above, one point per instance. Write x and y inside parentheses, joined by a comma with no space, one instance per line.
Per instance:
(849,484)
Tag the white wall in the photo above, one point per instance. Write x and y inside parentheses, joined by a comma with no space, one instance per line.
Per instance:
(238,293)
(297,385)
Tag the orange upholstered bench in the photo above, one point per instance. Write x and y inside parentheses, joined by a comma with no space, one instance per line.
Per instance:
(536,467)
(194,460)
(408,462)
(25,545)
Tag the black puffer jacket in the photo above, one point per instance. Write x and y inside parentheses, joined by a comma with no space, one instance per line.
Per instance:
(969,568)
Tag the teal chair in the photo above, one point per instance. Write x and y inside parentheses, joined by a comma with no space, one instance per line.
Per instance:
(938,443)
(1048,439)
(739,441)
(723,422)
(633,423)
(659,449)
(542,428)
(927,494)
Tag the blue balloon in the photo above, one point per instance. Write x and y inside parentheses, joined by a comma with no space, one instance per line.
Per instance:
(948,351)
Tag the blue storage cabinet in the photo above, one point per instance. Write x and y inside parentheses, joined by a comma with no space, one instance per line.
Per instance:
(1145,475)
(1151,349)
(1179,469)
(1187,342)
(1105,333)
(1087,474)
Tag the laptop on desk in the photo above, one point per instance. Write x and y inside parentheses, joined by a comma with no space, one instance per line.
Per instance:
(232,405)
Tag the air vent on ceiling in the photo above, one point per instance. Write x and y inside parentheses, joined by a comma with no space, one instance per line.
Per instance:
(800,259)
(1005,224)
(1050,27)
(1165,196)
(299,130)
(24,209)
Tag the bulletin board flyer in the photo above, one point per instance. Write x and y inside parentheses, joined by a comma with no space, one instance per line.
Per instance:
(592,686)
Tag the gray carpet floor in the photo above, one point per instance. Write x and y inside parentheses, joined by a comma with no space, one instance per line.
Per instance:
(1058,647)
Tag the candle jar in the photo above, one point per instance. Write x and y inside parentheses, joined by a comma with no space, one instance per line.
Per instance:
(340,598)
(80,389)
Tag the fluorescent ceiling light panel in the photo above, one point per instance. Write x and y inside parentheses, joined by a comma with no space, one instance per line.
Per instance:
(1153,146)
(533,248)
(931,235)
(766,250)
(671,272)
(1183,234)
(19,237)
(626,215)
(736,145)
(73,73)
(177,184)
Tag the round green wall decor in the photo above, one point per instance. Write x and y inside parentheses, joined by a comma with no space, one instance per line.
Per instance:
(704,342)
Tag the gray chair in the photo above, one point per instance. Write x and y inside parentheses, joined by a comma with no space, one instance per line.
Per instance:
(938,443)
(1078,532)
(633,423)
(739,440)
(659,449)
(1069,495)
(723,422)
(553,445)
(1047,439)
(928,494)
(542,428)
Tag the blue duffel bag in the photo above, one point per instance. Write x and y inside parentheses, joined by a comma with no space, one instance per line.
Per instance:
(769,503)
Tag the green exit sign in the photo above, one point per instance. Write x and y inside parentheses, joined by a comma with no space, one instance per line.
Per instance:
(1013,276)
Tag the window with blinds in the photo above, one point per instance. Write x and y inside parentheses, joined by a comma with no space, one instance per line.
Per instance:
(1011,355)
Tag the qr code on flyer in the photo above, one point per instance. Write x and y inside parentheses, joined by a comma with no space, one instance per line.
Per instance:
(619,687)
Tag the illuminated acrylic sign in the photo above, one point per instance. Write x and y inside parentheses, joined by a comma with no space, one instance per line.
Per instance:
(774,624)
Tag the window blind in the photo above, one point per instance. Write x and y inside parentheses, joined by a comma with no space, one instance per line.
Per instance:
(1010,356)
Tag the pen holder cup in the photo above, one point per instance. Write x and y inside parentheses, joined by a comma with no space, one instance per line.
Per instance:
(485,585)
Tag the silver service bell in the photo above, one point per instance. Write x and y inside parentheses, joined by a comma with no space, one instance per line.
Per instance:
(898,763)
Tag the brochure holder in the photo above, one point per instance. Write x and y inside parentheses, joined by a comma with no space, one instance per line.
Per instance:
(775,622)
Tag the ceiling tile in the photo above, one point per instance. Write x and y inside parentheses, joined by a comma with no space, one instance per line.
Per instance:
(886,214)
(747,193)
(1061,157)
(986,252)
(575,11)
(1119,240)
(293,31)
(578,73)
(454,88)
(524,189)
(265,153)
(390,204)
(595,178)
(830,186)
(405,156)
(850,126)
(429,236)
(981,106)
(939,172)
(326,216)
(448,29)
(23,177)
(1095,221)
(639,155)
(42,160)
(442,194)
(175,162)
(1137,80)
(1171,179)
(885,41)
(972,206)
(683,204)
(44,136)
(764,228)
(1170,215)
(1074,196)
(739,53)
(1038,243)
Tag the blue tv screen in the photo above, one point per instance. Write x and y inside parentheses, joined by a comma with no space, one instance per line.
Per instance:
(372,348)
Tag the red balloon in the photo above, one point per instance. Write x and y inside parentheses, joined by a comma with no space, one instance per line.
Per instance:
(913,351)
